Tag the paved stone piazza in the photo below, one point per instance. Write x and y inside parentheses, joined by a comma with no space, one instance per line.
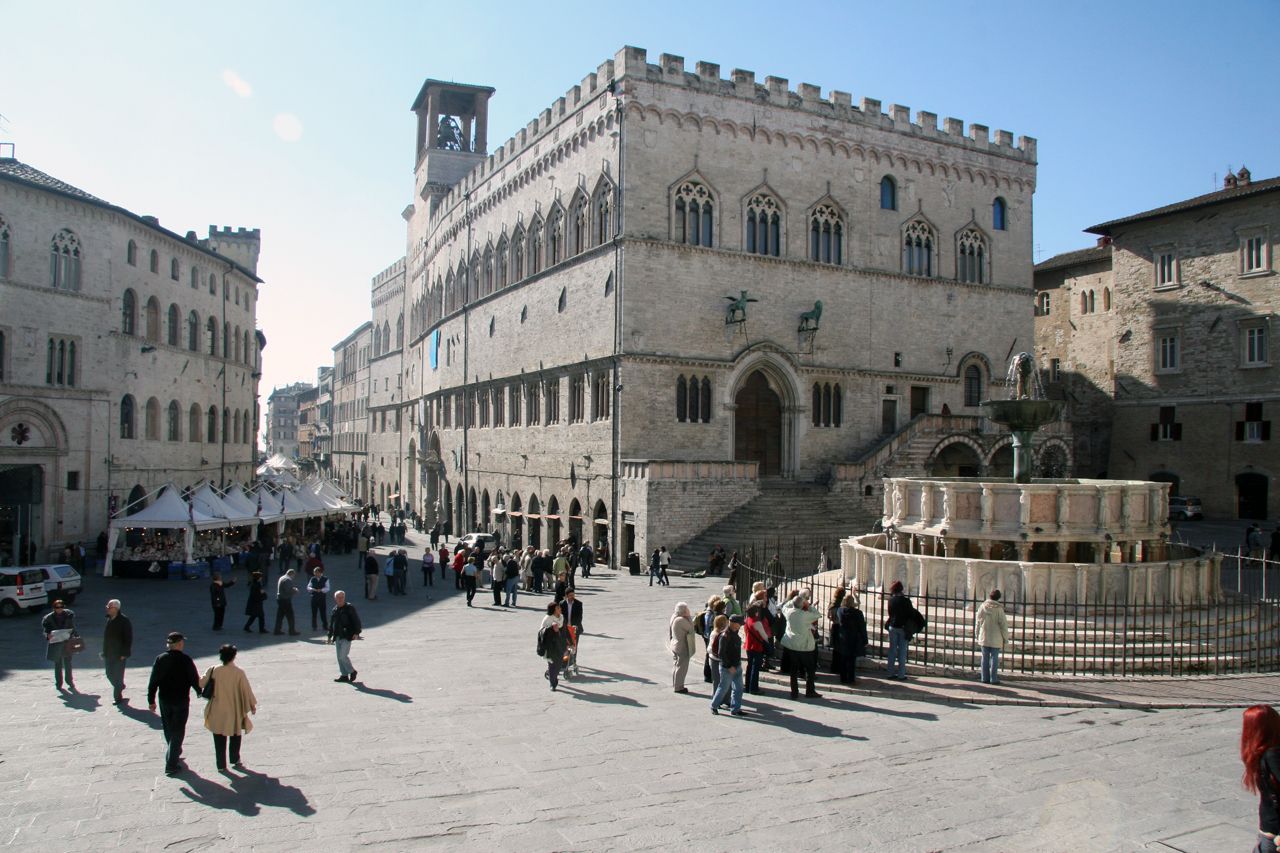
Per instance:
(453,741)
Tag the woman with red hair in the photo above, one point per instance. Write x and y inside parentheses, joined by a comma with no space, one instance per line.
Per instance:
(1260,752)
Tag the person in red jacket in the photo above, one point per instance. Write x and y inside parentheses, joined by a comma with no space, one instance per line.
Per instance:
(759,643)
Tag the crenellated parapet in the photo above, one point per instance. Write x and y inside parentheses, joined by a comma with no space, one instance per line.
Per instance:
(632,63)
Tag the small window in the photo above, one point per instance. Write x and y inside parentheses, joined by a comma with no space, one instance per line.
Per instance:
(682,399)
(1055,369)
(1254,254)
(563,301)
(131,254)
(999,214)
(73,481)
(1168,355)
(1255,346)
(888,193)
(1106,299)
(1253,428)
(155,261)
(1167,428)
(127,416)
(195,277)
(213,284)
(1166,269)
(173,269)
(129,312)
(1042,304)
(4,249)
(174,330)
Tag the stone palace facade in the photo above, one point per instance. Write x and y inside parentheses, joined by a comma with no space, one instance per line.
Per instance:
(129,357)
(673,287)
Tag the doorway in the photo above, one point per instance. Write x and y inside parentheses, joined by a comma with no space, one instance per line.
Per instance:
(888,417)
(757,427)
(1251,496)
(919,400)
(21,514)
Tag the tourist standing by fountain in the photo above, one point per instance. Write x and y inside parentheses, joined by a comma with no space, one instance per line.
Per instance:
(899,623)
(992,629)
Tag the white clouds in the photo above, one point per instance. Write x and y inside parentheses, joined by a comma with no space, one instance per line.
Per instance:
(287,126)
(236,83)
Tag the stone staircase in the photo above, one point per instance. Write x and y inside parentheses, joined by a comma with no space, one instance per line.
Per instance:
(790,517)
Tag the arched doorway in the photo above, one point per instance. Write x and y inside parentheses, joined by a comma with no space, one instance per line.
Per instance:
(459,511)
(485,513)
(471,512)
(600,529)
(535,522)
(517,522)
(956,460)
(1174,481)
(757,424)
(1251,495)
(1001,464)
(575,521)
(446,503)
(553,521)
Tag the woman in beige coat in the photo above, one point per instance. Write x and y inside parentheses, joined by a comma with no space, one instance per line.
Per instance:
(682,643)
(227,713)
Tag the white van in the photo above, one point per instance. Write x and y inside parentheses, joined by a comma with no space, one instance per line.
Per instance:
(21,589)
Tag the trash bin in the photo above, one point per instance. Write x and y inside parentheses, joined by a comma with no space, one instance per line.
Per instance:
(633,562)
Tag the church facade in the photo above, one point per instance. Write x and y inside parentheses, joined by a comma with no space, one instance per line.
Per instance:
(672,287)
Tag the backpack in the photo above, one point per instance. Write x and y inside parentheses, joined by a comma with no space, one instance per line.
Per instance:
(700,623)
(542,642)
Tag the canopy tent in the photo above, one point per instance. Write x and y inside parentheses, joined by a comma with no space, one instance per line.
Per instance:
(206,500)
(247,505)
(278,462)
(235,498)
(332,494)
(168,510)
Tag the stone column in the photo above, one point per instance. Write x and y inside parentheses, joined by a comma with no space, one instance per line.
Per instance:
(987,507)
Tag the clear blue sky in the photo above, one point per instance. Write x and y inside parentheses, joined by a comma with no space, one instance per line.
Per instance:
(1134,104)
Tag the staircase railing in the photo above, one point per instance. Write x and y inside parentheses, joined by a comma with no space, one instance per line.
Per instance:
(888,447)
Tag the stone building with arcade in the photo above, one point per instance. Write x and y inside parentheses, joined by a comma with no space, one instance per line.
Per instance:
(676,292)
(129,358)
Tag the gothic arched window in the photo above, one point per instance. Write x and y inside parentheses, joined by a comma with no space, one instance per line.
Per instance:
(64,261)
(500,264)
(517,256)
(971,257)
(682,399)
(917,249)
(535,248)
(487,281)
(601,214)
(705,405)
(826,235)
(972,385)
(764,225)
(693,217)
(579,225)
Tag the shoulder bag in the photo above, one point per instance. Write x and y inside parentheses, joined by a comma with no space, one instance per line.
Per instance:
(206,692)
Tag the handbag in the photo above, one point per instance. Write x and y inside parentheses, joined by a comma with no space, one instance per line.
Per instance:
(206,692)
(75,644)
(692,643)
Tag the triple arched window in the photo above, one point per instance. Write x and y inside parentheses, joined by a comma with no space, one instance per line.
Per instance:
(64,261)
(693,399)
(828,404)
(918,243)
(763,225)
(693,218)
(971,256)
(826,235)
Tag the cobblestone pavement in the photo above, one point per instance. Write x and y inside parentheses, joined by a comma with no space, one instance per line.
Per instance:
(453,741)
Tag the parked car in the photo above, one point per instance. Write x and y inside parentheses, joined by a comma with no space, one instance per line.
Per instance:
(60,581)
(21,589)
(472,539)
(1185,508)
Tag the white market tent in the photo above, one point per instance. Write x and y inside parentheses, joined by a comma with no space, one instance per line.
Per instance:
(168,510)
(235,498)
(206,500)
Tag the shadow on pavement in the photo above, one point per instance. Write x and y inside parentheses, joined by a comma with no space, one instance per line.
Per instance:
(80,701)
(783,718)
(141,715)
(247,794)
(599,698)
(610,676)
(383,693)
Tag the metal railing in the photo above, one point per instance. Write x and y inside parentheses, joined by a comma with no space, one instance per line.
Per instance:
(1047,635)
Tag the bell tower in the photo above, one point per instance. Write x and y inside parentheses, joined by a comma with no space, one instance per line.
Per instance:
(453,126)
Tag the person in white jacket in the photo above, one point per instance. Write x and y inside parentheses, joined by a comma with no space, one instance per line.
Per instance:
(799,645)
(991,628)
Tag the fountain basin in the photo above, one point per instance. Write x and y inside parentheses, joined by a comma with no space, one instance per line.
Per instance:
(1022,415)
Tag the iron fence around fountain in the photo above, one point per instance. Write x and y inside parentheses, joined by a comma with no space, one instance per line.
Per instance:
(1051,636)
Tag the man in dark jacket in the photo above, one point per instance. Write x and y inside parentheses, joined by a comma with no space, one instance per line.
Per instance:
(899,624)
(586,559)
(117,646)
(218,599)
(729,649)
(173,677)
(344,627)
